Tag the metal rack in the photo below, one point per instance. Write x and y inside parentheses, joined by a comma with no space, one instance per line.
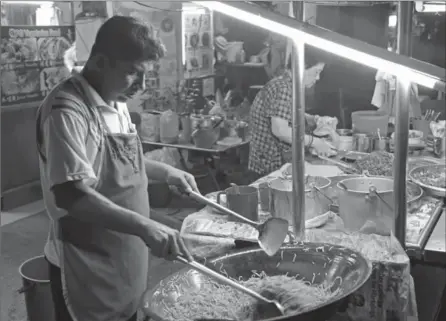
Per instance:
(406,69)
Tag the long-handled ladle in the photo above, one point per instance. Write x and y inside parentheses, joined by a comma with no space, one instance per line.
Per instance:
(272,232)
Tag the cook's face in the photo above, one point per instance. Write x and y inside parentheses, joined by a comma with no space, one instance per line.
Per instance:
(128,79)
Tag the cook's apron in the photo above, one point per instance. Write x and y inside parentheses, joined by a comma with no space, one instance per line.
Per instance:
(104,273)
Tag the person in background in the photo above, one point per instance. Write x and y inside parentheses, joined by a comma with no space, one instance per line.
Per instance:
(94,181)
(270,123)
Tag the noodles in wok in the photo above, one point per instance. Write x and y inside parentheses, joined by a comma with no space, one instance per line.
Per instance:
(217,301)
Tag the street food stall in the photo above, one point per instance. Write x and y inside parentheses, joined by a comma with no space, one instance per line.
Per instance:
(375,209)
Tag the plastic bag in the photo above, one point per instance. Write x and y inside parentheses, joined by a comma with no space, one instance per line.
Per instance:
(150,127)
(169,127)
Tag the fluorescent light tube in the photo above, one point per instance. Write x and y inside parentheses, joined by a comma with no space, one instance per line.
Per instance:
(326,45)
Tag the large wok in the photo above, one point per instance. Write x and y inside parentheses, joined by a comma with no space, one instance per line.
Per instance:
(315,262)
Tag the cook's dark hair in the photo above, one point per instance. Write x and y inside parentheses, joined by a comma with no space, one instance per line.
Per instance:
(127,39)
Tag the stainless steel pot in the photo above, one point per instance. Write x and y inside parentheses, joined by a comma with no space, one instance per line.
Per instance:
(359,207)
(316,201)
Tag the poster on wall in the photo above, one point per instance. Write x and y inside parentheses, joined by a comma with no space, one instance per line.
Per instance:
(199,43)
(162,80)
(32,61)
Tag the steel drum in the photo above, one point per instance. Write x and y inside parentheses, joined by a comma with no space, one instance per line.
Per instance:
(315,262)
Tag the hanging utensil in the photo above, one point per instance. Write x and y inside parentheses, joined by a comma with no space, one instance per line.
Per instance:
(373,191)
(344,166)
(272,233)
(271,307)
(379,134)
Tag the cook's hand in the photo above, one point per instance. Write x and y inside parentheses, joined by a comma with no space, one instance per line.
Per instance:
(165,242)
(321,147)
(181,179)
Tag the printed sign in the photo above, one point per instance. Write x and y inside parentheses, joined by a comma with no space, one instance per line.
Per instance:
(199,44)
(32,61)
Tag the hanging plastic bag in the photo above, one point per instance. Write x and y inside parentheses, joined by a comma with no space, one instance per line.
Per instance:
(169,127)
(150,127)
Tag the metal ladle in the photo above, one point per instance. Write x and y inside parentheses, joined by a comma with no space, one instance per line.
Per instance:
(272,307)
(272,232)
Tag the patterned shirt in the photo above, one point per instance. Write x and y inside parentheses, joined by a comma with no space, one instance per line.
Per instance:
(275,99)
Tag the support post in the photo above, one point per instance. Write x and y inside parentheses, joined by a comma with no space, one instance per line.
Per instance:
(405,10)
(298,130)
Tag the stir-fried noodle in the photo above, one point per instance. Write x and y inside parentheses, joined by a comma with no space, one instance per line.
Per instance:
(214,300)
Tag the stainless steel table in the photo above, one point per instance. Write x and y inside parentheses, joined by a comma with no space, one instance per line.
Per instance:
(435,249)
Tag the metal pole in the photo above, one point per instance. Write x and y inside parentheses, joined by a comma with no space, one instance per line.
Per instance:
(298,130)
(405,9)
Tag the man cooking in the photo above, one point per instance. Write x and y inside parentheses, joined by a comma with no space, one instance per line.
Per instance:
(94,179)
(270,122)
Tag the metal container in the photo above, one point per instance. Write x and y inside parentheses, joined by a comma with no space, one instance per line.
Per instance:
(380,144)
(417,173)
(316,201)
(316,263)
(345,143)
(358,205)
(362,143)
(438,146)
(37,289)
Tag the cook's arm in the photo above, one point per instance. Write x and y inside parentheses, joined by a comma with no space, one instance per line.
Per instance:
(70,175)
(281,128)
(156,170)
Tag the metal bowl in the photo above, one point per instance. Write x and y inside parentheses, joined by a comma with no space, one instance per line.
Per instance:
(435,191)
(315,262)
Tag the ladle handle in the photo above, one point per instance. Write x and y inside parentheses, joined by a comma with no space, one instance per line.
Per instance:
(338,163)
(202,199)
(374,191)
(215,275)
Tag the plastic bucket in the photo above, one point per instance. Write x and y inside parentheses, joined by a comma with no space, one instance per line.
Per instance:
(37,289)
(368,122)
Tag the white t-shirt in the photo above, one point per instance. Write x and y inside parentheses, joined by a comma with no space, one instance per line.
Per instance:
(70,145)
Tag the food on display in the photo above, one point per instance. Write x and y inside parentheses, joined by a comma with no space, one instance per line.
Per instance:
(216,301)
(376,164)
(52,48)
(50,77)
(434,176)
(14,50)
(419,217)
(20,81)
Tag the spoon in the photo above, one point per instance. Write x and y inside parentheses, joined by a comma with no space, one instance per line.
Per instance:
(273,307)
(272,232)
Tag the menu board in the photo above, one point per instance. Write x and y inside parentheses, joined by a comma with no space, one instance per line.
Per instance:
(32,61)
(199,43)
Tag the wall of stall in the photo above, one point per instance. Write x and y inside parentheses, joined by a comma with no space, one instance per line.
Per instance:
(33,39)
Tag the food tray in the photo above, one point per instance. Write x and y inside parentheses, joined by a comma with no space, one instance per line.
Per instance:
(434,191)
(421,219)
